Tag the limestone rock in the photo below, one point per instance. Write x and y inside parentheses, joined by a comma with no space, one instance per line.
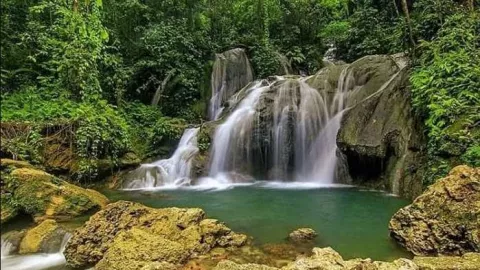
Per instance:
(160,266)
(45,196)
(136,248)
(186,227)
(445,219)
(469,261)
(381,138)
(329,259)
(302,235)
(229,265)
(44,238)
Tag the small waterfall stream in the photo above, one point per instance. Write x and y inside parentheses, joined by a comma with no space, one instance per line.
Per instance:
(33,261)
(172,172)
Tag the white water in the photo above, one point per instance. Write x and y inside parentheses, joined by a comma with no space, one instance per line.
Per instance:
(304,122)
(172,172)
(35,261)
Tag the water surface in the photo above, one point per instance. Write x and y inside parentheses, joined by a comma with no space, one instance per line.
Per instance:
(352,221)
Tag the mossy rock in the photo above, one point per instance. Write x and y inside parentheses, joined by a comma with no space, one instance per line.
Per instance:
(5,162)
(45,238)
(186,227)
(9,210)
(136,248)
(44,196)
(445,219)
(469,261)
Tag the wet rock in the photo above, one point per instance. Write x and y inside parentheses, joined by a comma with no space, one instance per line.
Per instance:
(445,219)
(136,248)
(187,228)
(44,196)
(302,235)
(380,137)
(469,261)
(45,238)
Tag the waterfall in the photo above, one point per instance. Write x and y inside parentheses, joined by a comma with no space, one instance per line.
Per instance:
(172,172)
(285,128)
(231,72)
(34,261)
(7,247)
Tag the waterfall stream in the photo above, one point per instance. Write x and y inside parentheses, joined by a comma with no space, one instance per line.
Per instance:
(33,261)
(172,172)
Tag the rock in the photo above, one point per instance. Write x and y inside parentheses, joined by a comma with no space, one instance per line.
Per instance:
(329,259)
(302,235)
(136,248)
(160,266)
(44,196)
(380,136)
(8,210)
(186,227)
(469,261)
(229,265)
(445,219)
(231,72)
(44,238)
(5,162)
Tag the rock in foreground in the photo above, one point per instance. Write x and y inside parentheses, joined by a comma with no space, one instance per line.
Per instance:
(44,238)
(128,235)
(325,259)
(443,220)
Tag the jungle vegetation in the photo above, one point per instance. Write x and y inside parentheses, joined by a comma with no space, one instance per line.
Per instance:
(93,66)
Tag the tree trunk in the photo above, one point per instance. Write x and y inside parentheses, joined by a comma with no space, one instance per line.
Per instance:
(408,21)
(160,89)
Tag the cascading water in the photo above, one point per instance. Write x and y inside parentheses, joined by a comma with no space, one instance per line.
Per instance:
(285,128)
(231,72)
(7,247)
(34,261)
(172,172)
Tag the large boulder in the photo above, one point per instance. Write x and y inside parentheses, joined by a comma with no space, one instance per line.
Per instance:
(47,237)
(187,228)
(445,219)
(42,195)
(380,136)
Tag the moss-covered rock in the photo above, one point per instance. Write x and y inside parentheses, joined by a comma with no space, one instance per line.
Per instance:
(46,238)
(381,138)
(5,162)
(136,248)
(469,261)
(445,219)
(42,195)
(9,210)
(186,227)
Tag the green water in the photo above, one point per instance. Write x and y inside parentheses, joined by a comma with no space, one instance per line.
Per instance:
(353,222)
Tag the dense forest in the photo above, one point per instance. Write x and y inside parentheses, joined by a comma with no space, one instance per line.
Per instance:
(94,67)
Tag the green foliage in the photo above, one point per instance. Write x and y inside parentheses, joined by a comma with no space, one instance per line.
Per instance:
(446,83)
(166,130)
(101,133)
